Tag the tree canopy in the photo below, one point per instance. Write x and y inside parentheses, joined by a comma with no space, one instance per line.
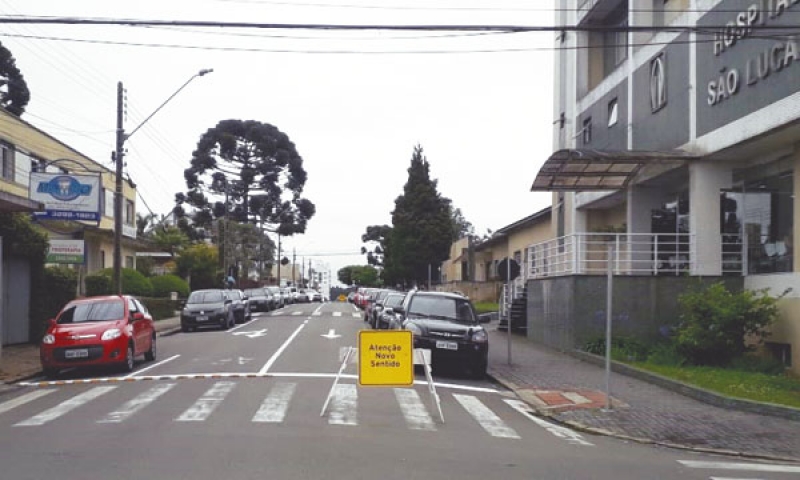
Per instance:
(250,171)
(422,227)
(376,241)
(363,275)
(14,93)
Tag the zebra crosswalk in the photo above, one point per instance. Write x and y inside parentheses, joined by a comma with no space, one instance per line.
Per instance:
(298,313)
(283,401)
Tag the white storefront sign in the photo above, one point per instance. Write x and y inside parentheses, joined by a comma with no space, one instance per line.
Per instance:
(66,196)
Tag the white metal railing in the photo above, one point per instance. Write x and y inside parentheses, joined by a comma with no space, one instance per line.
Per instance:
(634,254)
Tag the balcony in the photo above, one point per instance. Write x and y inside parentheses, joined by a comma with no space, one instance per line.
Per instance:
(633,254)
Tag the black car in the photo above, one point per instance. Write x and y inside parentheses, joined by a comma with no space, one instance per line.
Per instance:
(207,308)
(240,304)
(388,318)
(260,299)
(446,323)
(377,307)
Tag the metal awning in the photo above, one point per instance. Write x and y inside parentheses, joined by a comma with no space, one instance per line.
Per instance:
(586,169)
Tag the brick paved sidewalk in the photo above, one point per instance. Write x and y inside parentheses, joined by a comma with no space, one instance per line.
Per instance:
(643,411)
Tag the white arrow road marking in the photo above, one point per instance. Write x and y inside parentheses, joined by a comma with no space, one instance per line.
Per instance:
(750,467)
(243,360)
(138,403)
(414,411)
(557,430)
(23,399)
(344,405)
(253,333)
(485,417)
(273,410)
(337,314)
(65,407)
(206,404)
(331,334)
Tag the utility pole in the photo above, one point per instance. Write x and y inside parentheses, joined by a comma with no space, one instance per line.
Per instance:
(278,260)
(303,271)
(294,259)
(119,155)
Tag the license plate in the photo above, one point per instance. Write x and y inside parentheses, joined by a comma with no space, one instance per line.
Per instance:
(202,318)
(77,353)
(446,345)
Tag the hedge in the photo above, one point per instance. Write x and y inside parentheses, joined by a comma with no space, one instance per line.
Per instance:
(163,285)
(161,308)
(133,283)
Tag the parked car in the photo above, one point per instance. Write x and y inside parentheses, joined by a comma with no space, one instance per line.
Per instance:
(260,299)
(207,308)
(288,296)
(377,307)
(240,305)
(95,331)
(447,324)
(388,318)
(316,296)
(277,296)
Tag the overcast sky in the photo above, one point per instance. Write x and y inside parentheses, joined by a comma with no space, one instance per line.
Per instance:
(354,104)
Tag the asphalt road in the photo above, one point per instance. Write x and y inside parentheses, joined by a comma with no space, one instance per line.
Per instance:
(245,404)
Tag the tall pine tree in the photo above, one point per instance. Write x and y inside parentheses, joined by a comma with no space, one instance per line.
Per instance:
(422,227)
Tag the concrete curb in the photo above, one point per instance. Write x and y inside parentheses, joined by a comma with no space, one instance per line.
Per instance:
(705,396)
(551,416)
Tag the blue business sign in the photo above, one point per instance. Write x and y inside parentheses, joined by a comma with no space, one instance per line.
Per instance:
(66,197)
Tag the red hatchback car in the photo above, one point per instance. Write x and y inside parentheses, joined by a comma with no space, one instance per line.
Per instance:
(97,331)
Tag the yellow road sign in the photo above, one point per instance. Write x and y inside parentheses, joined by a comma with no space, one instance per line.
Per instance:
(342,298)
(385,358)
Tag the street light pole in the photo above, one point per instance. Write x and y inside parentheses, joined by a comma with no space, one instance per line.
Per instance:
(118,157)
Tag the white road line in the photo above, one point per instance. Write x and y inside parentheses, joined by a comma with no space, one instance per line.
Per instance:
(318,311)
(23,399)
(206,404)
(344,405)
(732,478)
(240,326)
(557,430)
(576,398)
(273,410)
(356,315)
(485,417)
(750,467)
(337,314)
(275,314)
(414,411)
(316,314)
(162,362)
(136,404)
(65,407)
(297,313)
(278,353)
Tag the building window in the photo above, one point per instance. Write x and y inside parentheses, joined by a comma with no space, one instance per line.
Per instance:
(615,41)
(7,158)
(586,131)
(612,113)
(129,217)
(658,83)
(23,163)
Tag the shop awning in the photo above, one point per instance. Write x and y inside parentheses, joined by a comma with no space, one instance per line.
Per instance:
(14,203)
(574,170)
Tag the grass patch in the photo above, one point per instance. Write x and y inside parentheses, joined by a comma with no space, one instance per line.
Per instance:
(780,389)
(486,307)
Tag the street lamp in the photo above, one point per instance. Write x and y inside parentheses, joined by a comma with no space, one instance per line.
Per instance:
(117,157)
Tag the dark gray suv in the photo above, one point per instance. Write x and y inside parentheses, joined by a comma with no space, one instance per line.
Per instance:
(446,323)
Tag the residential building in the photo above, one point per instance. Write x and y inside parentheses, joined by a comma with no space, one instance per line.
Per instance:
(676,144)
(27,151)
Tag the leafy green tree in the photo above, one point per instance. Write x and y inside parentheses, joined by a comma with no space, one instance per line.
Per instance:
(14,93)
(366,276)
(376,239)
(199,263)
(169,238)
(248,248)
(345,274)
(461,227)
(422,227)
(247,171)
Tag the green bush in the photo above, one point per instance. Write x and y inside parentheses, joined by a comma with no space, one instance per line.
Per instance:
(163,285)
(626,349)
(133,283)
(160,308)
(666,354)
(758,364)
(98,284)
(715,322)
(60,283)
